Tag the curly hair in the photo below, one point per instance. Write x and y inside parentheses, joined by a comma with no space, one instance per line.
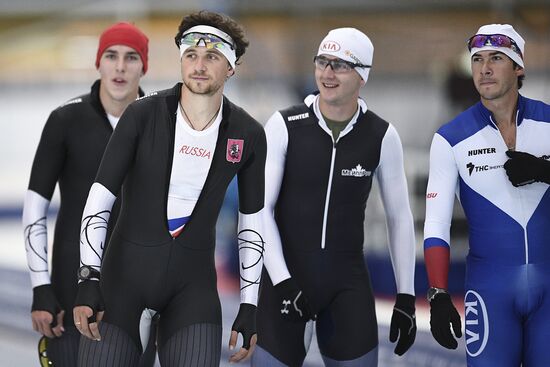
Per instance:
(216,20)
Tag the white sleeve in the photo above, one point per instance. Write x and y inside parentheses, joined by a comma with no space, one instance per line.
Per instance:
(277,142)
(93,229)
(251,255)
(442,186)
(35,231)
(395,197)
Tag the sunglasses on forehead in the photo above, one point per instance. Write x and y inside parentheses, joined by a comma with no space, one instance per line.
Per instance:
(337,65)
(495,40)
(210,41)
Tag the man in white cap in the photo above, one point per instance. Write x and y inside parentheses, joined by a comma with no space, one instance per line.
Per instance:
(494,156)
(322,157)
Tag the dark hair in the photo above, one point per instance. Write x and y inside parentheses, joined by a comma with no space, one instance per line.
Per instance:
(521,78)
(216,20)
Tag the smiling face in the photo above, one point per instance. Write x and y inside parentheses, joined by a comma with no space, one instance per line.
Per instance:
(204,70)
(120,68)
(337,89)
(494,74)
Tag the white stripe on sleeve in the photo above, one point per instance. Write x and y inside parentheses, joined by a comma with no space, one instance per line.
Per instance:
(251,255)
(277,143)
(93,228)
(441,191)
(395,197)
(35,231)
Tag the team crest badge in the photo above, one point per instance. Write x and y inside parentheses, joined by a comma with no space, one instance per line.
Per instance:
(234,150)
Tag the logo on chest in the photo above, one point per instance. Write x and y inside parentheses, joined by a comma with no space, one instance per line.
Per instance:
(357,171)
(473,168)
(481,151)
(195,151)
(234,150)
(300,116)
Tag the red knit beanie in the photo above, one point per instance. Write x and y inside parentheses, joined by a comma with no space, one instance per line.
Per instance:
(124,34)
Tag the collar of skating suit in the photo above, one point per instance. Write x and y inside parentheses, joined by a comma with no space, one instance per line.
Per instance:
(96,102)
(173,97)
(312,102)
(487,116)
(313,98)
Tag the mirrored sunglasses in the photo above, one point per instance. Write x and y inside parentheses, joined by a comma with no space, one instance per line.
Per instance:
(495,40)
(207,40)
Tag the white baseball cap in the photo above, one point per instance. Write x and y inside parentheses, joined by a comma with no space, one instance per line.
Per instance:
(505,30)
(351,45)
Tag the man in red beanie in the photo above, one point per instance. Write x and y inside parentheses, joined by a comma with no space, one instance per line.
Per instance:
(69,153)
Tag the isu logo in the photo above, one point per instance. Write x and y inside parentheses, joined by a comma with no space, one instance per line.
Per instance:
(431,195)
(234,150)
(477,323)
(330,46)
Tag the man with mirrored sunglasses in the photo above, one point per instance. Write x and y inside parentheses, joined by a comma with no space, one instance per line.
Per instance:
(494,158)
(206,40)
(176,151)
(322,157)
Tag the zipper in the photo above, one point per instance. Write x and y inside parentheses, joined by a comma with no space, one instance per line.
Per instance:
(327,199)
(522,207)
(522,211)
(520,196)
(170,147)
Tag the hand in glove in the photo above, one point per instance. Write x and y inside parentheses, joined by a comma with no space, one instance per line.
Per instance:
(88,310)
(245,323)
(294,304)
(47,316)
(523,168)
(443,315)
(403,323)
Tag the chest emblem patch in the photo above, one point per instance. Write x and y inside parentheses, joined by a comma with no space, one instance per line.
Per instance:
(234,150)
(357,171)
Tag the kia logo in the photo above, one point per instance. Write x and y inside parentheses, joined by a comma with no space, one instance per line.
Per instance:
(330,46)
(477,323)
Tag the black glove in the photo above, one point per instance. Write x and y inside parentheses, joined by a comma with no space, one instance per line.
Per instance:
(245,323)
(43,299)
(294,304)
(443,313)
(403,323)
(89,295)
(524,168)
